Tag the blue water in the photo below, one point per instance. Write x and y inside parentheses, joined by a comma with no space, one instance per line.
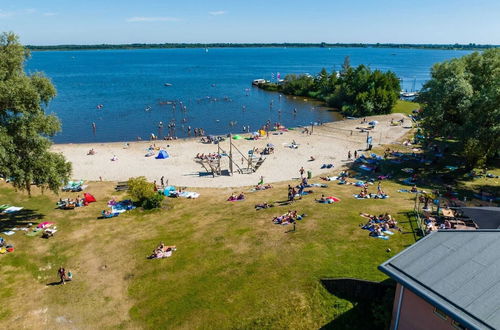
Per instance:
(127,82)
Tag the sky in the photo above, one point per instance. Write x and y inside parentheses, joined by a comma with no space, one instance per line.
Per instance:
(53,22)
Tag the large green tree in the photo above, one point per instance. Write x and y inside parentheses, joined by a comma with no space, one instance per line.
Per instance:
(462,101)
(25,128)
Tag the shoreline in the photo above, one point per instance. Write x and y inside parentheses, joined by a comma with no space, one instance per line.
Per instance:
(329,144)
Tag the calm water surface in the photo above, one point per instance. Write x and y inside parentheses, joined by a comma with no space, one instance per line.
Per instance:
(214,86)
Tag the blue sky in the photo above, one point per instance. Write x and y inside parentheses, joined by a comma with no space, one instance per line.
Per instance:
(51,22)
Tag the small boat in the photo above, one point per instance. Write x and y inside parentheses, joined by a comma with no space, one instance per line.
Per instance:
(167,84)
(206,50)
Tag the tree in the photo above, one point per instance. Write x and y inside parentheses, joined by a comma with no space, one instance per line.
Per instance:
(462,101)
(346,65)
(24,127)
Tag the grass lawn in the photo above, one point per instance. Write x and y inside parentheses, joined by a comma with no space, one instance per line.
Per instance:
(233,267)
(405,107)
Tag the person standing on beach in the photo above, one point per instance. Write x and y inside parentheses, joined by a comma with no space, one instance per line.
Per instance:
(301,171)
(162,182)
(349,155)
(355,154)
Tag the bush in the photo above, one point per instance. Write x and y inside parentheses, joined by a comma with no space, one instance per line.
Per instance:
(152,202)
(143,193)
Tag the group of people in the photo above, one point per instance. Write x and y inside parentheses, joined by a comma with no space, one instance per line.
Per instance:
(364,192)
(71,203)
(288,218)
(235,197)
(380,225)
(163,251)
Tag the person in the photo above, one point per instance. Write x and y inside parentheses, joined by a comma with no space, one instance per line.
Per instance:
(312,159)
(114,158)
(349,155)
(62,274)
(301,171)
(162,182)
(261,181)
(355,154)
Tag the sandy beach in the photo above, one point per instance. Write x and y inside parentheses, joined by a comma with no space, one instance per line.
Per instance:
(328,144)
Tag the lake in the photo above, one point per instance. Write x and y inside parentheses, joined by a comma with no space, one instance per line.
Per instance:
(214,86)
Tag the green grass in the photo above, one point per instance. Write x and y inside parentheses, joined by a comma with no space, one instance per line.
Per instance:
(405,107)
(233,269)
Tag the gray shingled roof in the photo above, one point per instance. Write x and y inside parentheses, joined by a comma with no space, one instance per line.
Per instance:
(456,271)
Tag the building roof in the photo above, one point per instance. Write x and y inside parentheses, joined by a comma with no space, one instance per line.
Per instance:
(457,272)
(485,217)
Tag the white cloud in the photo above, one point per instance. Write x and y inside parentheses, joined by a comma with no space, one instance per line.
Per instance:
(152,19)
(4,14)
(29,11)
(49,14)
(217,13)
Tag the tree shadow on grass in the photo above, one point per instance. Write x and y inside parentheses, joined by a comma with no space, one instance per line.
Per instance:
(372,303)
(19,219)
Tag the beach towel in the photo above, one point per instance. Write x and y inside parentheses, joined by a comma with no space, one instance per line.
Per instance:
(409,181)
(45,224)
(382,237)
(9,232)
(13,209)
(189,194)
(388,232)
(379,196)
(357,196)
(366,168)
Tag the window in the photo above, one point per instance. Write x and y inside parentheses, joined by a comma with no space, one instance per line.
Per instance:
(440,313)
(457,325)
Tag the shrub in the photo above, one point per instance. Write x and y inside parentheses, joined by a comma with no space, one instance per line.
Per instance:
(143,193)
(152,202)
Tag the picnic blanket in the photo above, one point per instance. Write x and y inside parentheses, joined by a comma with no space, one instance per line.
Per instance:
(329,200)
(189,194)
(12,209)
(366,168)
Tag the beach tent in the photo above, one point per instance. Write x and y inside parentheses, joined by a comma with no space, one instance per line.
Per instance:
(237,137)
(162,155)
(88,198)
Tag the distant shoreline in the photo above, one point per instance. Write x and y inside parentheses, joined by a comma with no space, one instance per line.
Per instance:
(259,45)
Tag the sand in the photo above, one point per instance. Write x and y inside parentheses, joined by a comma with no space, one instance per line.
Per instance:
(328,143)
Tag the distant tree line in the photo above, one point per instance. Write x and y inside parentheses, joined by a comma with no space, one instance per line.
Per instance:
(461,102)
(470,46)
(355,91)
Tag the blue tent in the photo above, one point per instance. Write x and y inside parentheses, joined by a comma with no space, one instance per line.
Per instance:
(162,155)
